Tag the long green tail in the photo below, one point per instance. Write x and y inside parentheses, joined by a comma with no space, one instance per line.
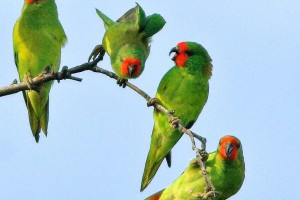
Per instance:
(37,121)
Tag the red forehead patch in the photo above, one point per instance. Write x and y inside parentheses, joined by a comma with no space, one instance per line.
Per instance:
(182,46)
(33,1)
(229,139)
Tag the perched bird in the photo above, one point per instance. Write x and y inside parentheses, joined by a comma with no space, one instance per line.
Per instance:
(37,40)
(184,89)
(225,167)
(127,40)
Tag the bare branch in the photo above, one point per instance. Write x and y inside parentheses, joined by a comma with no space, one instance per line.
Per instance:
(66,73)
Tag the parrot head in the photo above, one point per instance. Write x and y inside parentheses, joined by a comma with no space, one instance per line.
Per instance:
(131,67)
(192,55)
(130,61)
(229,148)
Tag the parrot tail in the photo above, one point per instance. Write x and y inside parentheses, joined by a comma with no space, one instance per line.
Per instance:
(150,171)
(37,120)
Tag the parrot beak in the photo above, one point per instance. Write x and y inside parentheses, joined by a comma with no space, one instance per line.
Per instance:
(175,50)
(131,70)
(229,149)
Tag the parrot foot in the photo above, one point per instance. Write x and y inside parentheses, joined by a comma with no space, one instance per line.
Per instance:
(152,101)
(122,82)
(46,70)
(30,85)
(174,122)
(203,155)
(98,51)
(208,195)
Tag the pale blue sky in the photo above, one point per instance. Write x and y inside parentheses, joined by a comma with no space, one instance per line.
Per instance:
(99,134)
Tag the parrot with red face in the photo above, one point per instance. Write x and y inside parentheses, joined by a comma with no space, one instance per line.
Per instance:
(127,40)
(225,167)
(183,89)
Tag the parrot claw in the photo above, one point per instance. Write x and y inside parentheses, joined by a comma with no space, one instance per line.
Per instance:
(203,155)
(208,195)
(46,70)
(152,101)
(30,85)
(211,194)
(122,82)
(174,122)
(98,51)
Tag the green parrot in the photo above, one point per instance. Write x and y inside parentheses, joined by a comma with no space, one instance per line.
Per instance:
(127,40)
(184,89)
(226,168)
(37,40)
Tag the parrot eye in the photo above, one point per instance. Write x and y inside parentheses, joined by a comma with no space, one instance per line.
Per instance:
(238,146)
(189,53)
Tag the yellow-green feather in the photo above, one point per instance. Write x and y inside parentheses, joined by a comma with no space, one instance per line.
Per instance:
(37,40)
(184,90)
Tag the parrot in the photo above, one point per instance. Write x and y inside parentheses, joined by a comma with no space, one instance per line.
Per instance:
(38,37)
(127,40)
(225,167)
(183,89)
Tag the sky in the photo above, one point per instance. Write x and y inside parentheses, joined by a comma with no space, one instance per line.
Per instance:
(99,133)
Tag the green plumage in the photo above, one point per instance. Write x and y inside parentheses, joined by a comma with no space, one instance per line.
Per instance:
(129,38)
(37,40)
(226,174)
(184,89)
